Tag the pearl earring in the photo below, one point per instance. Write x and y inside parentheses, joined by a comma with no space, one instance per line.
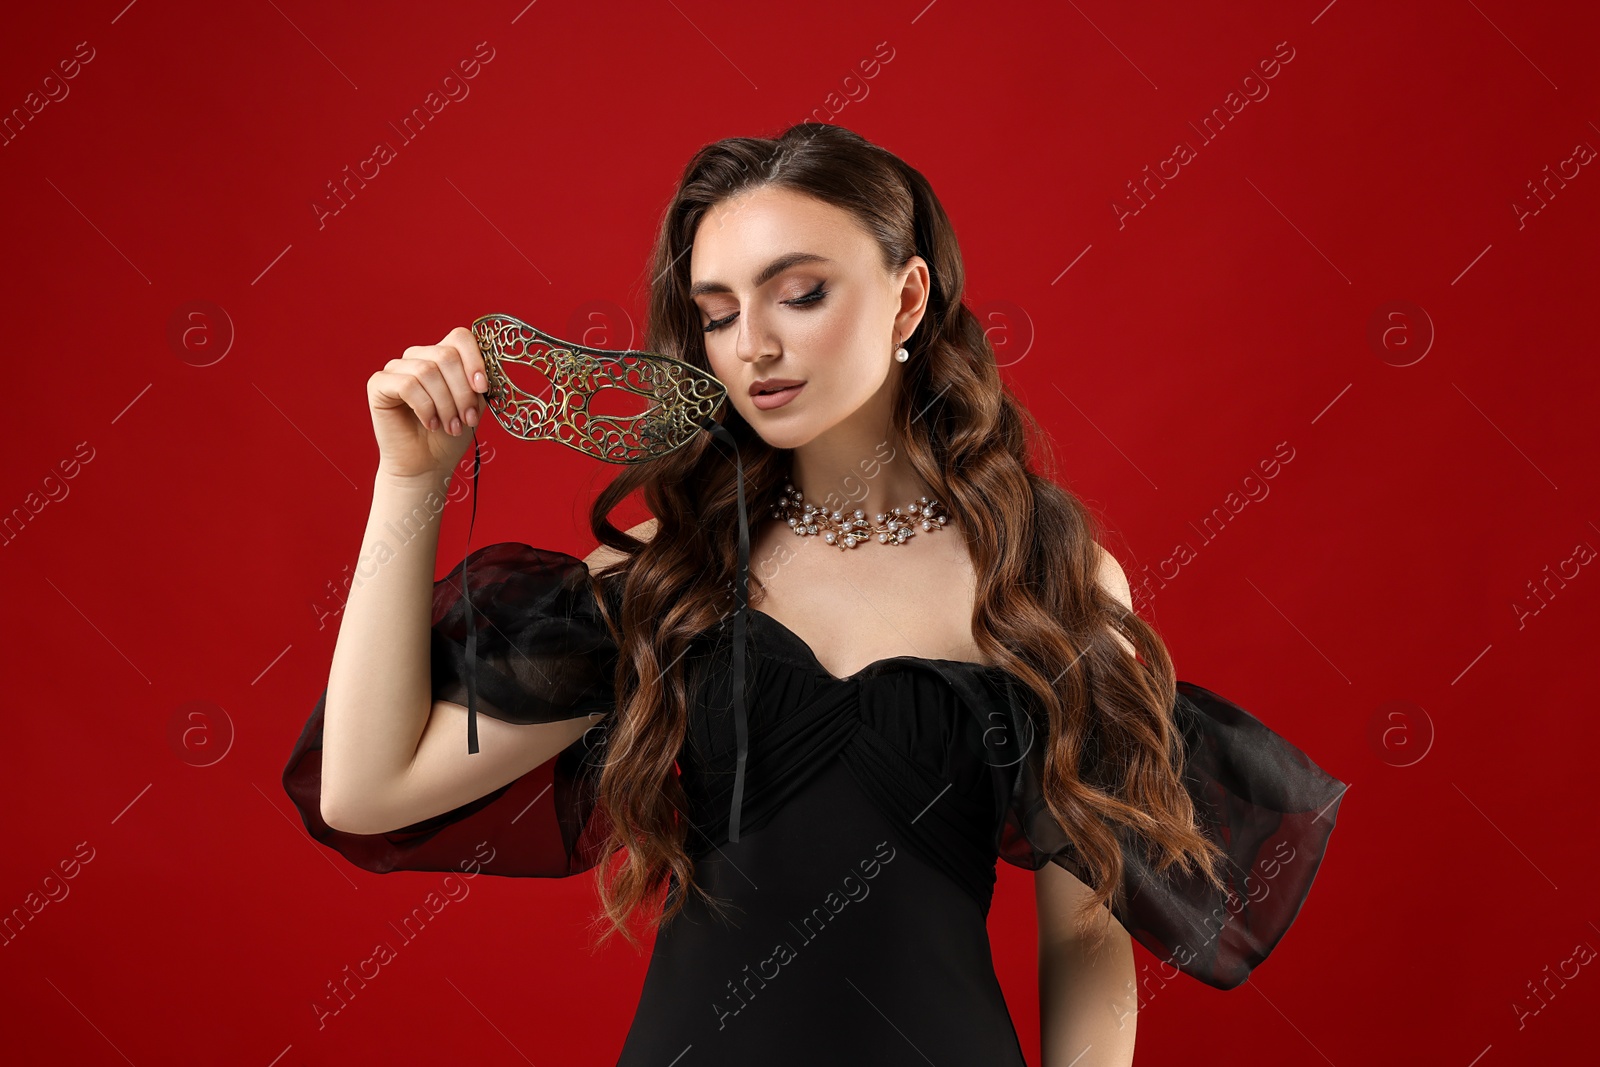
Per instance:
(901,354)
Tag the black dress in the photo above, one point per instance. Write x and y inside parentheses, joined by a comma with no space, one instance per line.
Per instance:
(874,810)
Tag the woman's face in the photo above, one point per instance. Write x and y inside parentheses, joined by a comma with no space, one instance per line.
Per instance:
(829,316)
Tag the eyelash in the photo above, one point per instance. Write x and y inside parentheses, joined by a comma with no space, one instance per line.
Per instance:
(811,298)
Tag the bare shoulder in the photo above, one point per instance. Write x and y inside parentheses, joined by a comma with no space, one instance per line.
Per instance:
(1115,582)
(1112,578)
(604,555)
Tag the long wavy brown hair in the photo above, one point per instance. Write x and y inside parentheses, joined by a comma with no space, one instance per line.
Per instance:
(1112,753)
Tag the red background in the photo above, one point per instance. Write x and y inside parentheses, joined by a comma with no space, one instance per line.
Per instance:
(1436,472)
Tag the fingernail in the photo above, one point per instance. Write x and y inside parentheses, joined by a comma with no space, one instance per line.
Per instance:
(434,424)
(480,381)
(472,417)
(455,427)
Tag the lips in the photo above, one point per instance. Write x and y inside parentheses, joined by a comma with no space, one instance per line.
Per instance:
(772,401)
(772,385)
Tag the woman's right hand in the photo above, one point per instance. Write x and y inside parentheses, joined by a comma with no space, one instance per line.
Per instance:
(419,399)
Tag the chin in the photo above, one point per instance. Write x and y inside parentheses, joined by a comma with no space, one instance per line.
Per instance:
(787,437)
(780,433)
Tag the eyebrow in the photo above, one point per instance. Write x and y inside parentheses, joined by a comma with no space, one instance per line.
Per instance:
(770,271)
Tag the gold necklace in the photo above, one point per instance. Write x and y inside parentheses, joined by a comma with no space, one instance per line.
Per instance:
(895,528)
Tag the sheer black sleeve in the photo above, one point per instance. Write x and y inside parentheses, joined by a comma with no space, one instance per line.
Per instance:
(1260,798)
(543,654)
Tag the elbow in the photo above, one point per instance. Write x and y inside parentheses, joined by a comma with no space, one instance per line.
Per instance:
(332,815)
(344,819)
(354,806)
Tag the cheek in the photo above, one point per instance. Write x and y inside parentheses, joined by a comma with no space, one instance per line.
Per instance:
(843,341)
(720,365)
(727,367)
(859,352)
(730,370)
(838,331)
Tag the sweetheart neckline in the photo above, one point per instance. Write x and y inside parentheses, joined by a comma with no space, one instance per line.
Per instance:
(877,663)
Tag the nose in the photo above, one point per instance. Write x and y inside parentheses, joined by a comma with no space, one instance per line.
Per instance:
(753,342)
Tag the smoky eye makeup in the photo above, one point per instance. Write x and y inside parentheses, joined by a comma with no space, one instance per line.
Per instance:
(806,300)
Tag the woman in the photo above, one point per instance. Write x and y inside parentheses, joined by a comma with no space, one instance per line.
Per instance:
(968,683)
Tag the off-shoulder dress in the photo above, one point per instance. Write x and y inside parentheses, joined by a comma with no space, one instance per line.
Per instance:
(874,810)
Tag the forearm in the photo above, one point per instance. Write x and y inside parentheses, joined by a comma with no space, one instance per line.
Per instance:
(1088,1004)
(379,695)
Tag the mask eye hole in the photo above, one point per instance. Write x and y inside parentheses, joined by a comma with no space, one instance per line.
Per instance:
(613,403)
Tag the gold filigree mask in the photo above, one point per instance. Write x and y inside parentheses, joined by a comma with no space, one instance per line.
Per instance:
(682,396)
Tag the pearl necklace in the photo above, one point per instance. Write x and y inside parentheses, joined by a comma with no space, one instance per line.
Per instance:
(895,528)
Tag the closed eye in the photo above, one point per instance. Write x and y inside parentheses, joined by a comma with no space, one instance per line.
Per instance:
(810,299)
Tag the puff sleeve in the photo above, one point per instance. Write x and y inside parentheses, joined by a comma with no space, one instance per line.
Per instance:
(543,654)
(1260,798)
